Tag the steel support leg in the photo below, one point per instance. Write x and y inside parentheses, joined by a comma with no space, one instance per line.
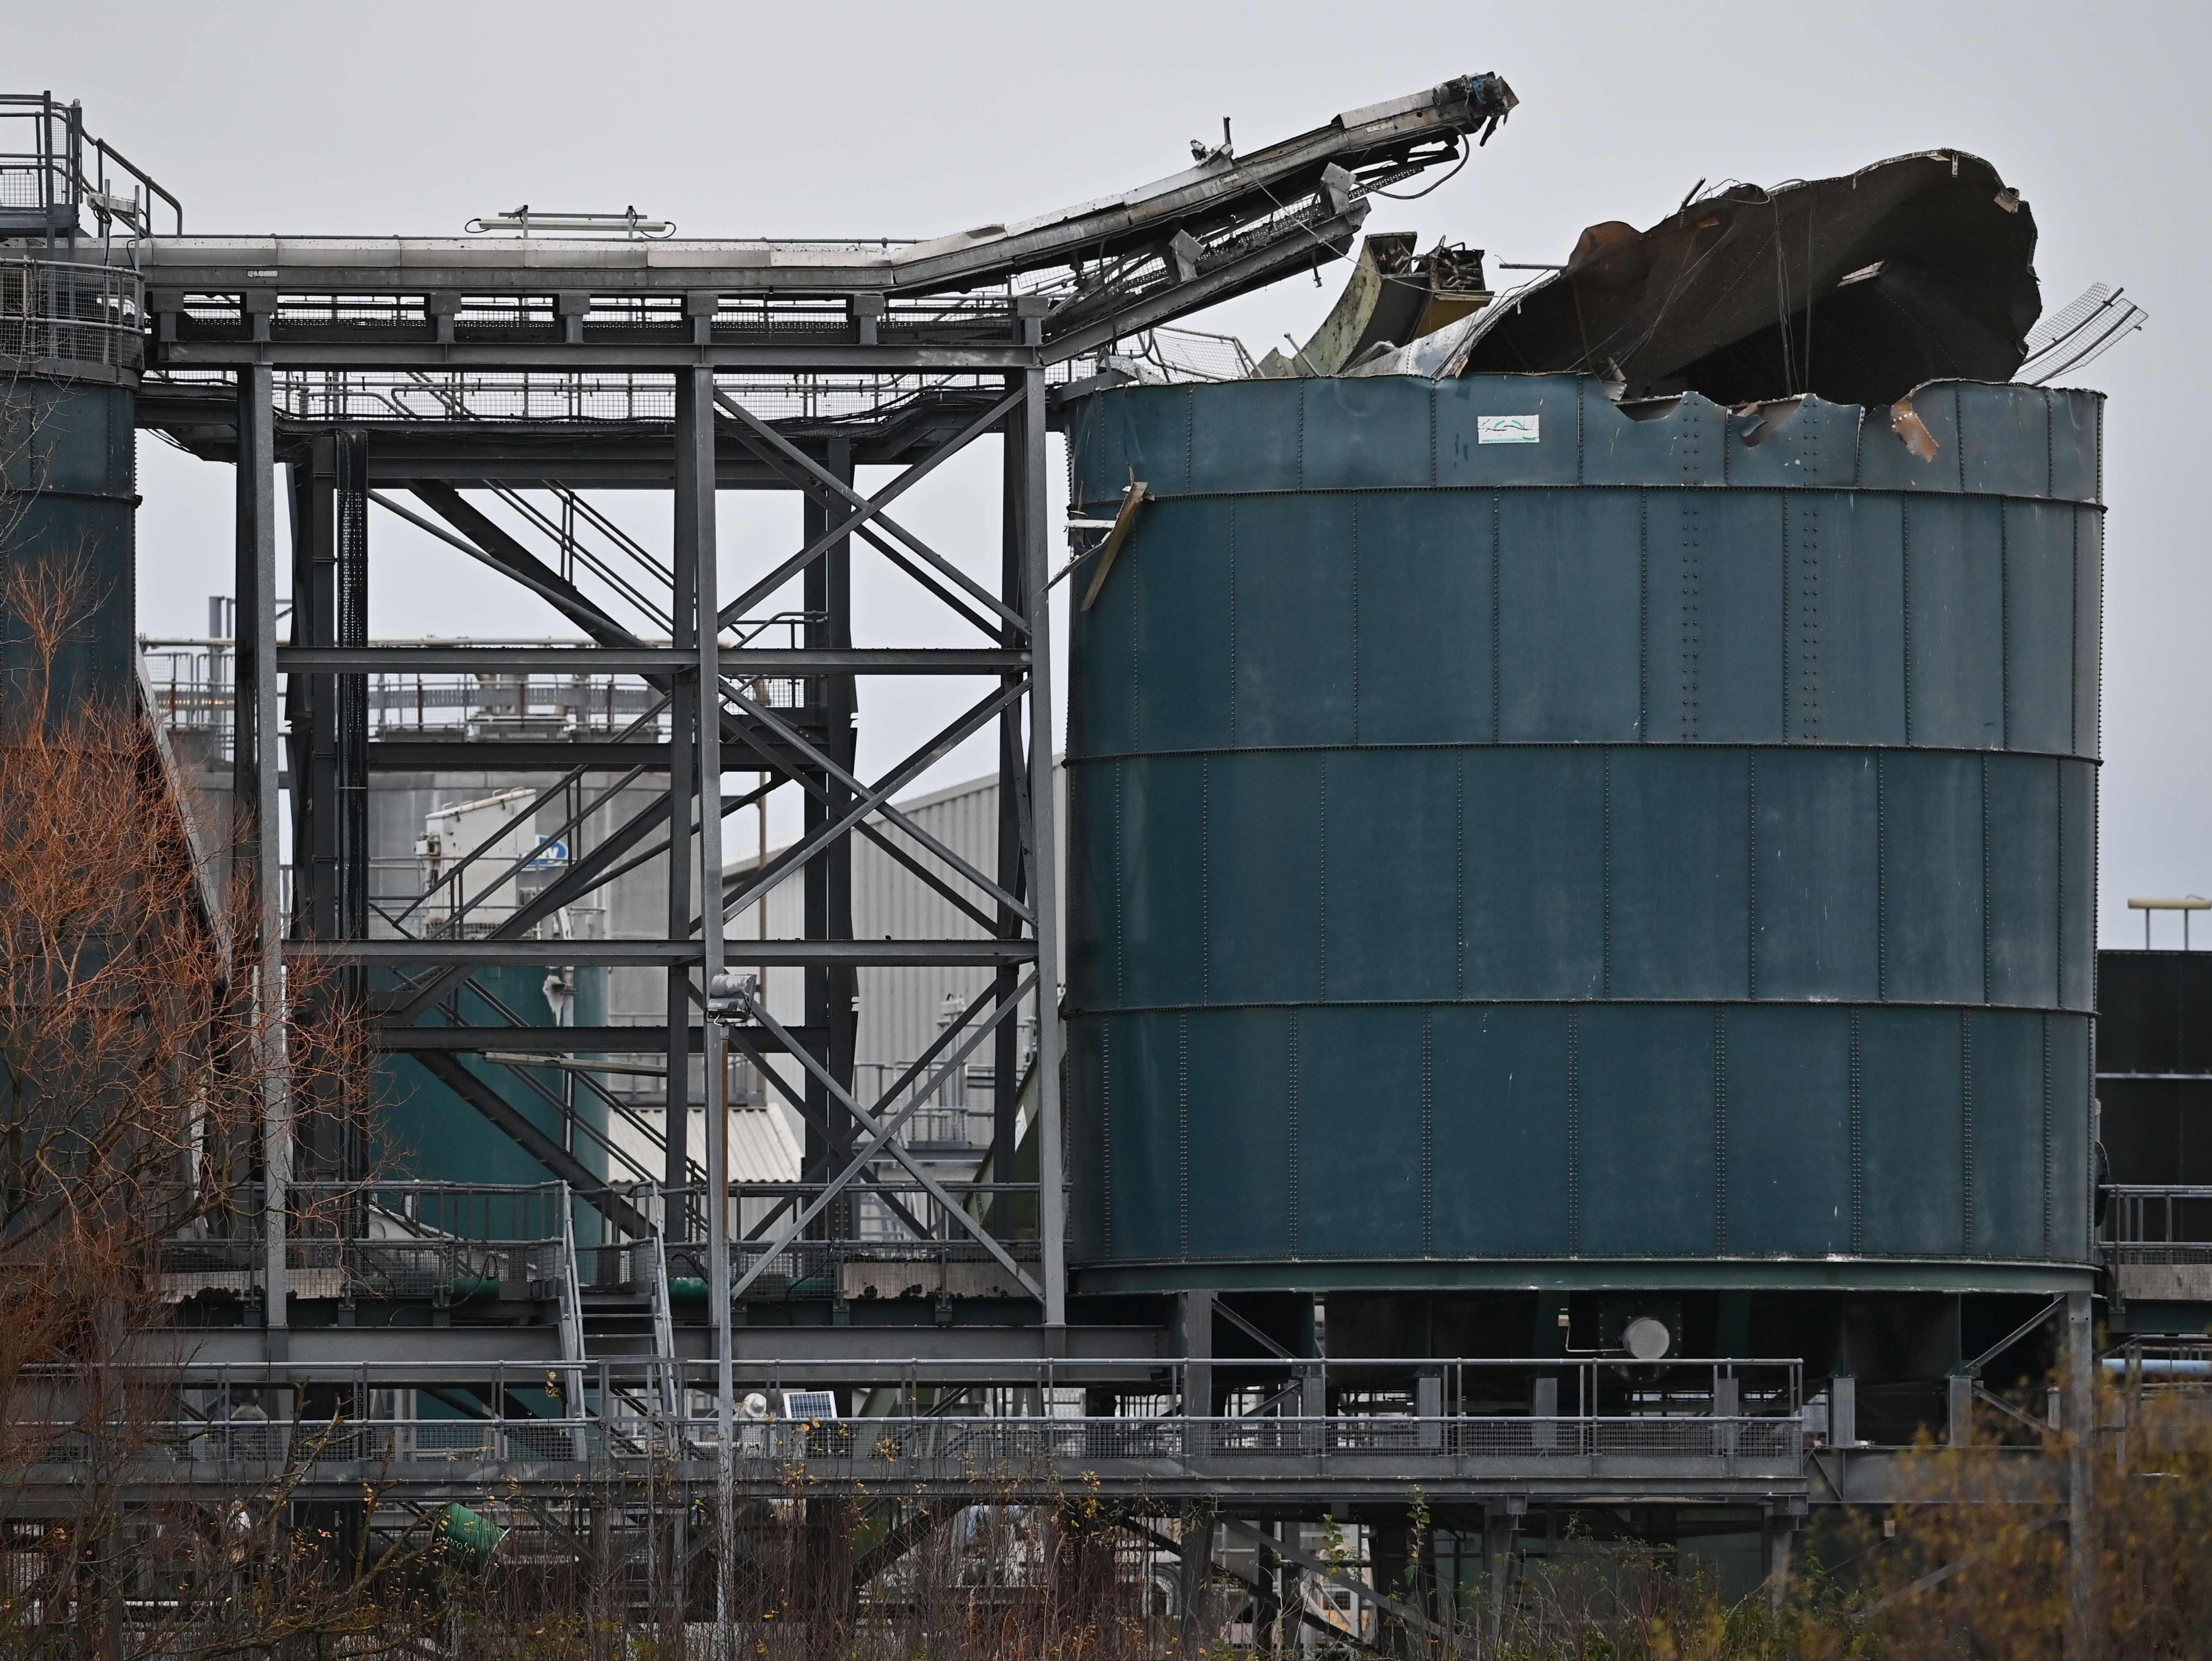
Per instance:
(258,754)
(1044,851)
(683,707)
(830,994)
(1498,1525)
(1959,1394)
(696,547)
(1779,1535)
(2081,1515)
(1194,1569)
(1006,1057)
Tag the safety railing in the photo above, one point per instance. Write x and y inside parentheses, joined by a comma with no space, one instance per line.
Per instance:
(68,317)
(935,1449)
(921,1448)
(59,180)
(2161,1225)
(405,1417)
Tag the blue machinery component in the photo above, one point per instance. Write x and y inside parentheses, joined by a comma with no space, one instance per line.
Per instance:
(1521,840)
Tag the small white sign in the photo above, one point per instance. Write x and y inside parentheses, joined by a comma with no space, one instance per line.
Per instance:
(1507,429)
(549,855)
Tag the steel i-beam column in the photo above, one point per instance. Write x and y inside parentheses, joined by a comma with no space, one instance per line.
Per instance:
(696,548)
(832,992)
(257,758)
(327,742)
(1044,847)
(1005,1051)
(311,729)
(683,705)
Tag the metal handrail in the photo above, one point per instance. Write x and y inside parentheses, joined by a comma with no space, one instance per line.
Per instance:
(76,313)
(955,1448)
(66,180)
(2141,1216)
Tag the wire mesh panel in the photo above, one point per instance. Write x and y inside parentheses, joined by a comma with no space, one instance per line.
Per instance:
(86,316)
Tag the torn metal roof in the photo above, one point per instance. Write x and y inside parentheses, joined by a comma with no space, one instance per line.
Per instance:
(1857,288)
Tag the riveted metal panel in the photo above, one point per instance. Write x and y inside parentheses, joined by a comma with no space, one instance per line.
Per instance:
(1424,623)
(1858,630)
(1816,885)
(1660,840)
(1360,1195)
(1954,623)
(1914,1128)
(1741,578)
(2076,437)
(1671,441)
(2023,820)
(1789,1127)
(1570,595)
(2008,1134)
(1251,440)
(2006,447)
(2070,1136)
(1088,1117)
(1681,874)
(1094,885)
(1796,443)
(1295,660)
(2039,625)
(2089,655)
(1162,887)
(1238,1168)
(1175,577)
(1932,877)
(1358,440)
(1392,875)
(1501,1129)
(2076,922)
(1144,1134)
(1103,681)
(1266,898)
(1535,854)
(1888,462)
(1462,459)
(1648,1170)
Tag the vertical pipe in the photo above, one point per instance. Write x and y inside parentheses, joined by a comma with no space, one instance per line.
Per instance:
(258,738)
(1044,851)
(695,546)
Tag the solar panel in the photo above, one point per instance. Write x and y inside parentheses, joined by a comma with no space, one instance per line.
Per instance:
(810,1404)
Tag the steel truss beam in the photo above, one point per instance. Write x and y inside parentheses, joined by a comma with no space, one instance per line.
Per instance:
(881,1134)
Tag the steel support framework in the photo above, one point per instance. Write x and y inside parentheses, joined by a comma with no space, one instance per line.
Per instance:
(714,723)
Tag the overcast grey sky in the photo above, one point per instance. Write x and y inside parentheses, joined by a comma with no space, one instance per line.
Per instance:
(915,120)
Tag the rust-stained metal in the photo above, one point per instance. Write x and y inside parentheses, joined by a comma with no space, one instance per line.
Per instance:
(1904,421)
(1857,288)
(1132,499)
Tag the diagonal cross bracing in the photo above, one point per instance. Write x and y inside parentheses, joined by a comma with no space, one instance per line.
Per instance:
(875,1126)
(765,442)
(877,798)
